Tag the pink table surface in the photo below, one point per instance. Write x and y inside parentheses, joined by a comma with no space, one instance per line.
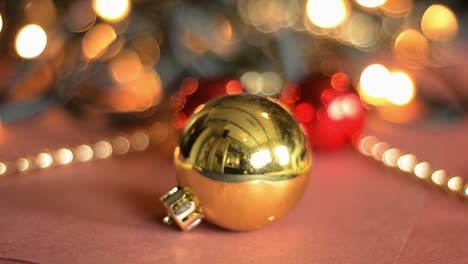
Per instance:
(107,211)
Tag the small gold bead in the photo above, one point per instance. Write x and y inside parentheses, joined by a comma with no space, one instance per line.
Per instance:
(407,162)
(63,156)
(23,164)
(139,140)
(365,145)
(439,177)
(120,145)
(390,157)
(379,149)
(44,160)
(102,149)
(84,153)
(455,184)
(3,169)
(422,170)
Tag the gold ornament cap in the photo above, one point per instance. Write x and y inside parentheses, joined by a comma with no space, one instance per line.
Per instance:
(243,160)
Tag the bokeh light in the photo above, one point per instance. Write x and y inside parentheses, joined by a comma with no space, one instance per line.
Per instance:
(120,145)
(139,140)
(455,184)
(412,48)
(268,83)
(63,156)
(401,88)
(360,31)
(365,144)
(371,3)
(234,87)
(97,40)
(1,22)
(102,149)
(407,162)
(44,160)
(379,86)
(80,16)
(372,85)
(327,13)
(348,106)
(23,164)
(112,10)
(304,112)
(340,81)
(3,168)
(126,66)
(439,23)
(268,15)
(83,153)
(391,157)
(439,177)
(422,170)
(397,8)
(40,12)
(31,41)
(139,94)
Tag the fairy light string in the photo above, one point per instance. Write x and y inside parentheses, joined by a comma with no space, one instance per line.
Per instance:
(137,141)
(141,139)
(408,164)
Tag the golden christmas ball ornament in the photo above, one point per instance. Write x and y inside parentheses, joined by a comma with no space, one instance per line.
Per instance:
(242,163)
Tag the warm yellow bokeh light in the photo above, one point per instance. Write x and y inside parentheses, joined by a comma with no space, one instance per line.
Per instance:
(391,157)
(3,168)
(102,149)
(422,170)
(44,160)
(439,23)
(83,153)
(63,156)
(112,10)
(371,3)
(31,41)
(327,13)
(455,184)
(97,39)
(126,66)
(139,140)
(439,177)
(407,162)
(378,86)
(373,84)
(412,47)
(23,164)
(138,94)
(401,90)
(397,7)
(1,22)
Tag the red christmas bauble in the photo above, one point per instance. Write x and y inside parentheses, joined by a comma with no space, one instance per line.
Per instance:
(194,93)
(327,108)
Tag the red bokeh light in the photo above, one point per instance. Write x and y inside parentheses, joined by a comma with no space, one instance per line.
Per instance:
(234,87)
(329,112)
(304,112)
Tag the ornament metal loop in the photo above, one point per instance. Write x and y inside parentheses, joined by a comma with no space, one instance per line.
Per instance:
(183,208)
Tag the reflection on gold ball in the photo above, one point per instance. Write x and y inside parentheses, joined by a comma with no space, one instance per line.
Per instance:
(247,160)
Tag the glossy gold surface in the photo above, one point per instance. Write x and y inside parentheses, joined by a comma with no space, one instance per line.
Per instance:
(246,205)
(247,160)
(244,137)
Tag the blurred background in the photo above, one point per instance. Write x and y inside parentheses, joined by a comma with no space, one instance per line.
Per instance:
(333,63)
